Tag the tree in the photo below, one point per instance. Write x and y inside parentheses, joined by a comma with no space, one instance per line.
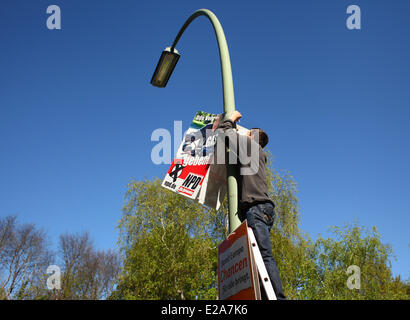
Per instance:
(23,254)
(86,274)
(168,246)
(318,269)
(354,245)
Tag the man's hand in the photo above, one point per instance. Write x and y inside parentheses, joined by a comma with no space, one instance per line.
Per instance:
(235,116)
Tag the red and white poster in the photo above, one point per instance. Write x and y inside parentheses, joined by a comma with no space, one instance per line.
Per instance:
(193,172)
(190,167)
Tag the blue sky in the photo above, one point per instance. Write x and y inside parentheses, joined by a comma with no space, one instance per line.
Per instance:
(77,110)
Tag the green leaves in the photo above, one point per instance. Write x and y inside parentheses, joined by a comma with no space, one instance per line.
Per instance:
(169,249)
(354,245)
(169,246)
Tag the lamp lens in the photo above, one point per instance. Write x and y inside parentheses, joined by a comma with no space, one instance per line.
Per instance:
(164,69)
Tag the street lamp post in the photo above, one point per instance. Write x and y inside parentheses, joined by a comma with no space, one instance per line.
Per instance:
(166,65)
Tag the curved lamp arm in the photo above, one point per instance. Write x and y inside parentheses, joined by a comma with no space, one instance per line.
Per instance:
(227,82)
(229,102)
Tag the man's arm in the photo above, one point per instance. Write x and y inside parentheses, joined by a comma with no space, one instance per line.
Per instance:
(228,128)
(230,123)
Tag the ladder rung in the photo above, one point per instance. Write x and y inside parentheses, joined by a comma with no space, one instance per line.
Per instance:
(263,274)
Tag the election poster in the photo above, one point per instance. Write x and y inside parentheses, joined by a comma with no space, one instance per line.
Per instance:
(194,173)
(237,274)
(190,167)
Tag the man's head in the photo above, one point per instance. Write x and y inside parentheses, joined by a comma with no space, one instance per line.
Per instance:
(259,135)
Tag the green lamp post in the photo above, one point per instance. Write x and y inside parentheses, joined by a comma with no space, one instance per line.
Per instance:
(163,71)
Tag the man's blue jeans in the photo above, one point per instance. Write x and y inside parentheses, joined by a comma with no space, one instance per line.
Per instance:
(260,218)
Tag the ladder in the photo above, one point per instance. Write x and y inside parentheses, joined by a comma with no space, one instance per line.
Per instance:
(263,274)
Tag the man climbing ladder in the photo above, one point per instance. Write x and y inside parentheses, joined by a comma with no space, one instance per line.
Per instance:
(254,203)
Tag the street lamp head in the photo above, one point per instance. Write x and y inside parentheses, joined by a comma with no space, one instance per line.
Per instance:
(165,66)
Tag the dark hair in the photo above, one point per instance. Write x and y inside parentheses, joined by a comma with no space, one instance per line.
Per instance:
(262,136)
